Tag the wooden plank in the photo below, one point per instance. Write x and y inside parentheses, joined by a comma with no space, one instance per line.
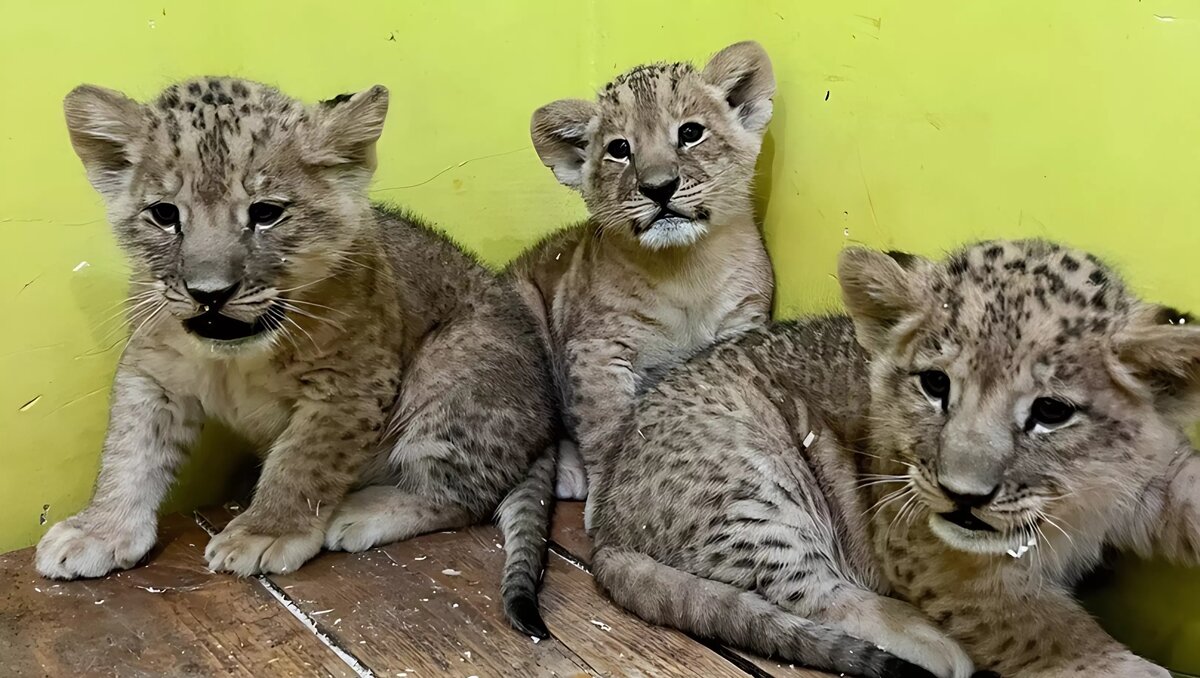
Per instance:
(430,606)
(567,532)
(170,616)
(423,607)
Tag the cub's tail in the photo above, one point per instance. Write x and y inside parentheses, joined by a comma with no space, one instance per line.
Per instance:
(524,518)
(663,595)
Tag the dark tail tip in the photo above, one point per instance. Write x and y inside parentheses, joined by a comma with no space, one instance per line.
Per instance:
(985,674)
(898,668)
(524,615)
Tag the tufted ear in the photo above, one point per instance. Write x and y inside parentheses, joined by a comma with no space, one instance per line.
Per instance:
(881,291)
(560,132)
(103,125)
(743,74)
(1160,347)
(347,127)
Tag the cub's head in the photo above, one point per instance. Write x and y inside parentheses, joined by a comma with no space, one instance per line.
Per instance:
(666,151)
(1028,392)
(229,197)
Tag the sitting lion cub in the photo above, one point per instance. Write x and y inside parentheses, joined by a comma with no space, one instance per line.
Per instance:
(671,259)
(360,349)
(1002,416)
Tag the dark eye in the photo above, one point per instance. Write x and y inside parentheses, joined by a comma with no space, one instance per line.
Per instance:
(936,385)
(690,133)
(165,214)
(1050,412)
(618,148)
(264,214)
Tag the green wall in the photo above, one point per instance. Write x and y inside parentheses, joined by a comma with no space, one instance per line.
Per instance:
(911,125)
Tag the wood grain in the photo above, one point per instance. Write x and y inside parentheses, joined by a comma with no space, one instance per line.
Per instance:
(430,606)
(170,616)
(425,606)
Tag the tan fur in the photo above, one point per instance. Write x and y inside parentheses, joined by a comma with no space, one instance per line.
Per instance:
(782,489)
(382,358)
(1011,322)
(625,294)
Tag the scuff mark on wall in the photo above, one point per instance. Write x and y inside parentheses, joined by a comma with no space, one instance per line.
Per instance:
(26,285)
(29,403)
(72,401)
(45,512)
(448,168)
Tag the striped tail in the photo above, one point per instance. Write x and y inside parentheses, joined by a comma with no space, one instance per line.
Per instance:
(709,609)
(524,518)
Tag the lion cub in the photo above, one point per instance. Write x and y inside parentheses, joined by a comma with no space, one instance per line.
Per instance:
(671,259)
(1002,416)
(364,352)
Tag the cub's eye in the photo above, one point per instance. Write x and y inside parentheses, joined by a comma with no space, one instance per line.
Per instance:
(936,385)
(264,214)
(1050,413)
(165,216)
(690,133)
(618,149)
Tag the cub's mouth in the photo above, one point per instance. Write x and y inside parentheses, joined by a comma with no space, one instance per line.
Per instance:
(215,326)
(667,216)
(967,520)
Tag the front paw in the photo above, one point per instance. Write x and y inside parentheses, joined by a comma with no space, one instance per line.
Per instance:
(247,551)
(87,547)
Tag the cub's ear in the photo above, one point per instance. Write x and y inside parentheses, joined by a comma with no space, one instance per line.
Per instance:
(743,74)
(103,125)
(560,136)
(347,128)
(1160,348)
(880,291)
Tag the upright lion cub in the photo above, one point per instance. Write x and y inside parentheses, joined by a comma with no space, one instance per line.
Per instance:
(671,259)
(365,353)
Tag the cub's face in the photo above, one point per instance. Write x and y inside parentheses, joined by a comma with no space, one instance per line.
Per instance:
(1029,395)
(666,151)
(230,198)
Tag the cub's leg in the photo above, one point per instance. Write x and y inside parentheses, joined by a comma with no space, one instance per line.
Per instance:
(149,433)
(1036,633)
(381,514)
(469,421)
(1168,527)
(307,473)
(798,572)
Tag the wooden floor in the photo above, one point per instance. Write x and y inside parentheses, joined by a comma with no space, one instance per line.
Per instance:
(425,607)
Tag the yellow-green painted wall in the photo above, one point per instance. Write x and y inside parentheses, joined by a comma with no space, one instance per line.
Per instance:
(911,125)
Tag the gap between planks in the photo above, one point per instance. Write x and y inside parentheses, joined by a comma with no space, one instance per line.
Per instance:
(290,605)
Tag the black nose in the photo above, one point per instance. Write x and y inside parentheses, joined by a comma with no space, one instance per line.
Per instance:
(968,500)
(212,298)
(660,193)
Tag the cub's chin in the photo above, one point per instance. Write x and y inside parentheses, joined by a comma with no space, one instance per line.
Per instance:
(963,531)
(671,231)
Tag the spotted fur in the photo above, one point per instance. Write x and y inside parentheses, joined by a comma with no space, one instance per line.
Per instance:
(396,386)
(805,467)
(1011,322)
(630,290)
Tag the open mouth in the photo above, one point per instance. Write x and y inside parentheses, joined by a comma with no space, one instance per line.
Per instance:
(217,327)
(667,216)
(967,520)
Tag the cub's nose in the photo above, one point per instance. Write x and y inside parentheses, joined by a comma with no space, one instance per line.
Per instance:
(211,296)
(968,500)
(660,193)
